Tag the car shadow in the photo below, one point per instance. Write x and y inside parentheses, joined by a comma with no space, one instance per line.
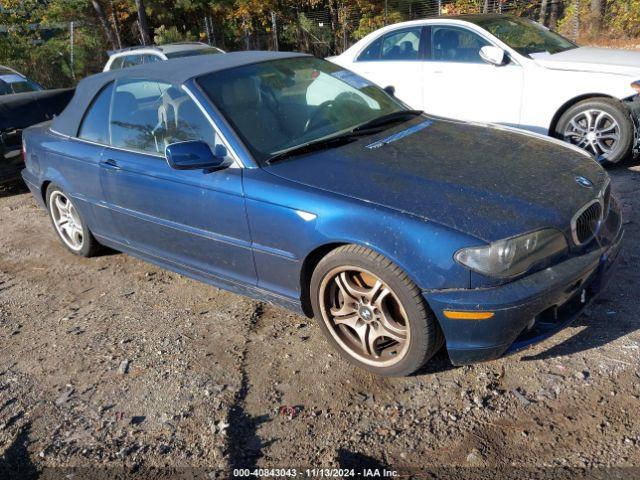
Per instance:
(349,460)
(602,326)
(16,462)
(14,187)
(243,444)
(625,163)
(439,363)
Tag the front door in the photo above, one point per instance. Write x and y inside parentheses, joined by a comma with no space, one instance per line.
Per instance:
(191,218)
(460,85)
(395,60)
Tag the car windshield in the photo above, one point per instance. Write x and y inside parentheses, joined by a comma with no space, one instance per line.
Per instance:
(14,83)
(524,36)
(194,52)
(279,105)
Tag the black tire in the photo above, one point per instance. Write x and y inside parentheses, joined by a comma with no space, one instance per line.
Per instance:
(622,147)
(88,246)
(425,337)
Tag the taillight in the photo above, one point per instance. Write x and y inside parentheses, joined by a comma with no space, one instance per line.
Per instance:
(24,151)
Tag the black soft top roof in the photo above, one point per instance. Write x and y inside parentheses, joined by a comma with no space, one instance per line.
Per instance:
(174,71)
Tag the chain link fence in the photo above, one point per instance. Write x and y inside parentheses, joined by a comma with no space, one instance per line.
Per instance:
(329,31)
(60,54)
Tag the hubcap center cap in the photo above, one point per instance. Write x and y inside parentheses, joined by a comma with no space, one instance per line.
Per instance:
(591,136)
(365,313)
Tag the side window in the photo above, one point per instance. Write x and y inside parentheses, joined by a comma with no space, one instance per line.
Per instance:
(372,52)
(182,120)
(402,45)
(95,124)
(150,58)
(147,116)
(116,64)
(453,44)
(134,121)
(132,60)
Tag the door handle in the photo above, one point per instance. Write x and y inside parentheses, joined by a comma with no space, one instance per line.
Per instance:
(110,164)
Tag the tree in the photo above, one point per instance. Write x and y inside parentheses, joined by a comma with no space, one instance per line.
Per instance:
(596,16)
(143,23)
(543,12)
(553,15)
(106,26)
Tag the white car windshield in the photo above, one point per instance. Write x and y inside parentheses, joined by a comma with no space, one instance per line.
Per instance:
(524,36)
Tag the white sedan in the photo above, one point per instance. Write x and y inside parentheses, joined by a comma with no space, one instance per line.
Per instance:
(508,70)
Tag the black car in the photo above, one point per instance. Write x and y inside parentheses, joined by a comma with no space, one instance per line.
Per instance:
(12,81)
(19,111)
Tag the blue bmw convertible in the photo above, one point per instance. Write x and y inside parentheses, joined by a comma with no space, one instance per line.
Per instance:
(292,180)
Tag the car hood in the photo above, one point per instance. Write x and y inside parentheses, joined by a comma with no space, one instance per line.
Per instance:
(589,59)
(489,182)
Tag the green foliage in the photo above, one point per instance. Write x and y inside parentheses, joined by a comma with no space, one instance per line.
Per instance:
(371,22)
(573,12)
(45,53)
(623,17)
(164,35)
(460,7)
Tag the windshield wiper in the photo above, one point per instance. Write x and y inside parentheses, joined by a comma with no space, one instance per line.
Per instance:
(328,142)
(386,119)
(367,128)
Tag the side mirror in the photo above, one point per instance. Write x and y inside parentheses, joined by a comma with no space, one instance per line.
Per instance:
(493,55)
(391,90)
(195,155)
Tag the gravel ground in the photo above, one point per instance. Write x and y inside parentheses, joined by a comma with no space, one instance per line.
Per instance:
(112,363)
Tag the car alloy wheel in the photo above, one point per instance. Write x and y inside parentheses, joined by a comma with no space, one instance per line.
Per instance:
(364,316)
(593,130)
(66,220)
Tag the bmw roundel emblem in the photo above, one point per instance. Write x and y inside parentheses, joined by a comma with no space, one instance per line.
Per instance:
(584,182)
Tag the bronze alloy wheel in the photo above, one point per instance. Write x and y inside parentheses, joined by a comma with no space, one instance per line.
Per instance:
(364,316)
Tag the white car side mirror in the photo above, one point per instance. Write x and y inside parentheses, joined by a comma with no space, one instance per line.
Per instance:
(493,55)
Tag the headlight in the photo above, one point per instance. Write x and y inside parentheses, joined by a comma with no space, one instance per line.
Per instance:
(512,256)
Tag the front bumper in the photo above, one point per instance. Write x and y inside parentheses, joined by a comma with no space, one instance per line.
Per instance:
(528,310)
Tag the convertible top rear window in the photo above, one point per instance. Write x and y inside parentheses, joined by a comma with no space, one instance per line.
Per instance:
(95,125)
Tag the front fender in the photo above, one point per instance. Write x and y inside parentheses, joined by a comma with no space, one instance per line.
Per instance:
(548,92)
(289,221)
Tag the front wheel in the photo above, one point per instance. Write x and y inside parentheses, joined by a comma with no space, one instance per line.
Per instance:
(601,126)
(372,313)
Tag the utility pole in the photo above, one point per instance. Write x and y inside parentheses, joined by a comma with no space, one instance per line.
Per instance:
(386,11)
(206,29)
(73,74)
(247,38)
(576,19)
(274,29)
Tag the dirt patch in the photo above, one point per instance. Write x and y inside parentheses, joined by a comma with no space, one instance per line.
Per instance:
(111,362)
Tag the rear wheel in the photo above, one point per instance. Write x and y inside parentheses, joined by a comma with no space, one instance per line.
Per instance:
(372,313)
(601,126)
(68,224)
